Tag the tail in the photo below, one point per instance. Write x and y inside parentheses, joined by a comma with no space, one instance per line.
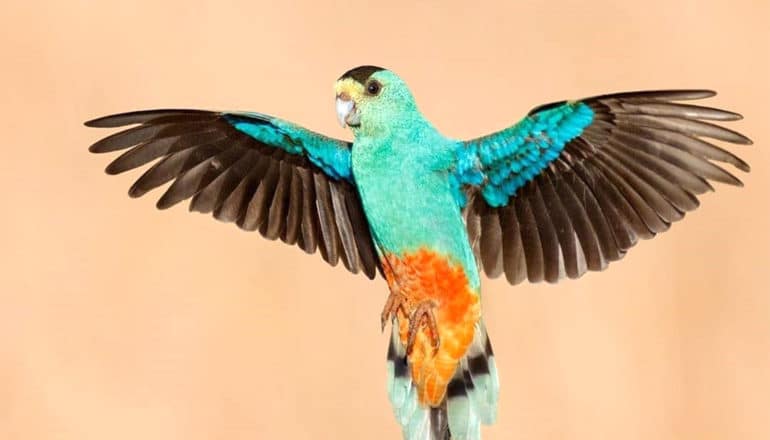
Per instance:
(470,400)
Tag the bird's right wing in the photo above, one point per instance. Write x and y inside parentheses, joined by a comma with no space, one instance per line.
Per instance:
(575,184)
(260,172)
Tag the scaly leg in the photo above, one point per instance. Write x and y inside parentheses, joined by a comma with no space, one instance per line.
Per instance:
(423,314)
(396,302)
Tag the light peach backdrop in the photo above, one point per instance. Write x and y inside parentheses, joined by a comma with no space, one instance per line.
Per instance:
(121,322)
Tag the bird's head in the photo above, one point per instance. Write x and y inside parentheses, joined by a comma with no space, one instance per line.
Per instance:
(371,99)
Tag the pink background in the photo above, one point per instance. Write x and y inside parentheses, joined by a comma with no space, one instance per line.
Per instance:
(121,322)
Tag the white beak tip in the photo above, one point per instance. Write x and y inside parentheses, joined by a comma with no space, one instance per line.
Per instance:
(343,107)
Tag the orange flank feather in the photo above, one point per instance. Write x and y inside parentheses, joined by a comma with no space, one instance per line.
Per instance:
(427,276)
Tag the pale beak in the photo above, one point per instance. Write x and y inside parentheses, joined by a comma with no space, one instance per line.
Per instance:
(347,113)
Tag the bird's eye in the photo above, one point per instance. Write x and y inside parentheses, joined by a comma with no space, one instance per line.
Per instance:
(373,88)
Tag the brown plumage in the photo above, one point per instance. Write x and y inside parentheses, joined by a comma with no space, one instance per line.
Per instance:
(635,170)
(238,179)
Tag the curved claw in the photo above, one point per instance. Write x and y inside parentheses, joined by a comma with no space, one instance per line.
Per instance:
(393,304)
(420,315)
(423,314)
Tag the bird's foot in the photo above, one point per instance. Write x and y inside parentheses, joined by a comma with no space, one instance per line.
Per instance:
(395,303)
(423,315)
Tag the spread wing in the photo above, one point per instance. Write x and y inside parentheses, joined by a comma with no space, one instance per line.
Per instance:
(576,184)
(257,171)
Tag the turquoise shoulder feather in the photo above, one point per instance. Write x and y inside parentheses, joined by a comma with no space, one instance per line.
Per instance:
(503,162)
(331,155)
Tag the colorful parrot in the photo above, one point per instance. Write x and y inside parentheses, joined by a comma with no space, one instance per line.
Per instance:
(569,188)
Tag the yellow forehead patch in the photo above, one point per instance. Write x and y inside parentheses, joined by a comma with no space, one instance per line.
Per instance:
(350,87)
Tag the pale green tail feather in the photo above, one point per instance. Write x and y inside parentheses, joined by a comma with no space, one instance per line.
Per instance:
(464,423)
(401,392)
(418,427)
(414,419)
(479,364)
(470,401)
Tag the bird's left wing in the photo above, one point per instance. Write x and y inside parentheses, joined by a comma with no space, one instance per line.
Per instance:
(575,184)
(260,172)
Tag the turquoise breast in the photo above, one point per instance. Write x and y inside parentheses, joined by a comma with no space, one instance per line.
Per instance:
(409,202)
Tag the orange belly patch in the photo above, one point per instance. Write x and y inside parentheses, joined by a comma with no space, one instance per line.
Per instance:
(426,275)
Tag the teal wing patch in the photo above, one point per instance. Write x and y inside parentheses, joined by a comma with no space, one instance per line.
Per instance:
(331,155)
(503,162)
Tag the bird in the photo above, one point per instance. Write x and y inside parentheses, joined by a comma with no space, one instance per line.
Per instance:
(568,189)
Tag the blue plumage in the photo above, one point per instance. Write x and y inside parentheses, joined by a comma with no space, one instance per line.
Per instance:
(505,161)
(331,155)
